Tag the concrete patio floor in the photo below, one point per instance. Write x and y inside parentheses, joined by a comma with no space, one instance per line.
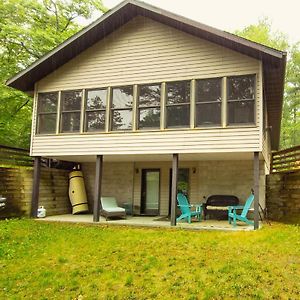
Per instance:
(143,221)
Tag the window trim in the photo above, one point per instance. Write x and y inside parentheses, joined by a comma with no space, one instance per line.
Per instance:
(85,110)
(254,123)
(61,111)
(38,113)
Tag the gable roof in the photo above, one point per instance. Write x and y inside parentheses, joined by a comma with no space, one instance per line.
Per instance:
(273,60)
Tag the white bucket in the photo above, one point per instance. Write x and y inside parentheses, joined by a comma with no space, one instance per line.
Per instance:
(41,212)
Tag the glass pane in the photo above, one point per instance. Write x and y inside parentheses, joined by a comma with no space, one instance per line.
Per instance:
(208,114)
(183,181)
(149,118)
(122,97)
(95,121)
(178,92)
(47,102)
(178,116)
(241,87)
(121,119)
(208,90)
(241,112)
(47,123)
(152,190)
(71,100)
(96,99)
(149,95)
(70,122)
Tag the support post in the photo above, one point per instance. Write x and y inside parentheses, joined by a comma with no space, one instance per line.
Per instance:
(174,189)
(98,181)
(35,186)
(256,189)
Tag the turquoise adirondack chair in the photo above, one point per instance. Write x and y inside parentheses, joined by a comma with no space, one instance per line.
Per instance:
(234,216)
(185,207)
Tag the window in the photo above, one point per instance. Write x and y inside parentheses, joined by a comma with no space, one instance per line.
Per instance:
(121,108)
(178,104)
(241,99)
(149,106)
(70,112)
(95,110)
(47,112)
(208,102)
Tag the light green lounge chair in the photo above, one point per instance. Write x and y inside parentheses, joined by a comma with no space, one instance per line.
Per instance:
(234,216)
(110,208)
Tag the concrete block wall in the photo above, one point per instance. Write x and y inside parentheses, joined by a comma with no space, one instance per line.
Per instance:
(117,181)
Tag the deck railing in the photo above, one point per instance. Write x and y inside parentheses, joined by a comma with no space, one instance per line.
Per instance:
(286,160)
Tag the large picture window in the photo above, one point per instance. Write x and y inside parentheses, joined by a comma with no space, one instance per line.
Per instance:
(47,113)
(121,108)
(95,110)
(70,111)
(149,106)
(241,99)
(178,104)
(208,102)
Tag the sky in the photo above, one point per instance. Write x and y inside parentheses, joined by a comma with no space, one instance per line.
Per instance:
(230,15)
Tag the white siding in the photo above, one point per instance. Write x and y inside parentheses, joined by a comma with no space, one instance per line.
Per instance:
(144,51)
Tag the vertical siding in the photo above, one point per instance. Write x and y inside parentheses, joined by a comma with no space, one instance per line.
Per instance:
(145,51)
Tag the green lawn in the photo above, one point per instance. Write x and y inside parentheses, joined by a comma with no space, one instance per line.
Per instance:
(60,261)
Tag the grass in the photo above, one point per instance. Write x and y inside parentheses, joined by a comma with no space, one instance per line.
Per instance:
(66,261)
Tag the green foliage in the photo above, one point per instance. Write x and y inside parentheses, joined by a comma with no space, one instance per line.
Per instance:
(290,125)
(28,30)
(41,260)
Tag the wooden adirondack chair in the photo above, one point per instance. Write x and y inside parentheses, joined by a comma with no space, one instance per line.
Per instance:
(185,207)
(234,216)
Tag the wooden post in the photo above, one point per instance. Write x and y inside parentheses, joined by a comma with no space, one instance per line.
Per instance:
(256,189)
(98,181)
(174,189)
(35,186)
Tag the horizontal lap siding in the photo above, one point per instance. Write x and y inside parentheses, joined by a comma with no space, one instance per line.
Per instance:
(144,51)
(188,141)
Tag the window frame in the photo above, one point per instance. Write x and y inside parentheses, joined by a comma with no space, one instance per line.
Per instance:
(254,123)
(94,110)
(38,113)
(208,102)
(61,112)
(139,107)
(112,109)
(177,105)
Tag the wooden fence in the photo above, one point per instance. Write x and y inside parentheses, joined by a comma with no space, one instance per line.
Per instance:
(287,160)
(14,157)
(283,186)
(16,174)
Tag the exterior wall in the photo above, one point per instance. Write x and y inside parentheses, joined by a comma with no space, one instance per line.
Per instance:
(123,181)
(144,51)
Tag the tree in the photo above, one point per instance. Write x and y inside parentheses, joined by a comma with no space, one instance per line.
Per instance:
(28,30)
(262,33)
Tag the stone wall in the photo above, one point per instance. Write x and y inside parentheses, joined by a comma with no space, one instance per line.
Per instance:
(16,187)
(283,197)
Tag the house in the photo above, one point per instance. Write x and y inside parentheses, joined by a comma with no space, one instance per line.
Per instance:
(147,100)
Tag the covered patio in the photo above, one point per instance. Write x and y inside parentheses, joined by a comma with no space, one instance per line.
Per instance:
(121,176)
(146,221)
